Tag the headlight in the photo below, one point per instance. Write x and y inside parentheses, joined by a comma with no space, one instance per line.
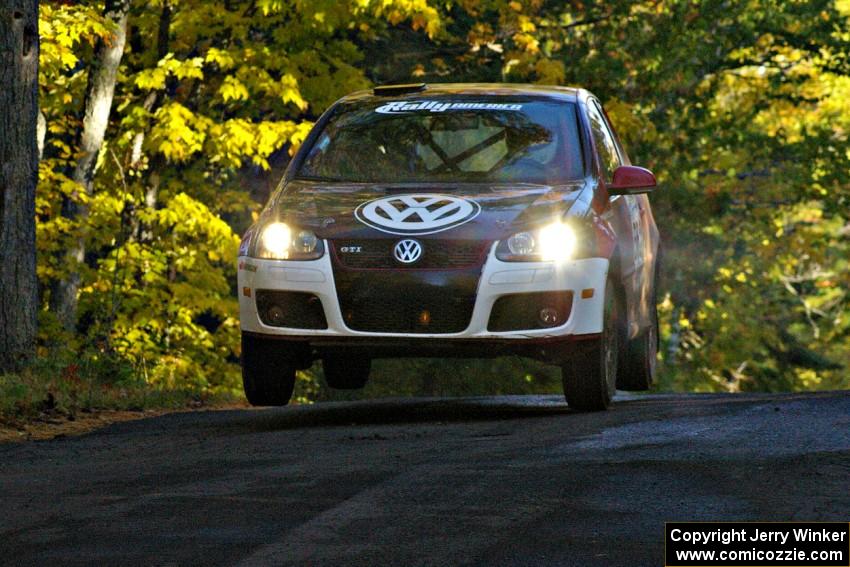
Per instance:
(555,242)
(278,241)
(275,241)
(521,244)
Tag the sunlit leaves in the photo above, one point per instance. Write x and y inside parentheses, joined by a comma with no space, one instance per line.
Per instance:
(62,29)
(232,89)
(234,93)
(151,79)
(178,133)
(167,288)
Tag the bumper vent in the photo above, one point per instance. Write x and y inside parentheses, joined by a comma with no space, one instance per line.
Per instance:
(437,254)
(415,313)
(529,311)
(290,309)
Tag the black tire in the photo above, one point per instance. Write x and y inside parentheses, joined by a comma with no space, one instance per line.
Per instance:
(268,373)
(346,373)
(640,359)
(589,377)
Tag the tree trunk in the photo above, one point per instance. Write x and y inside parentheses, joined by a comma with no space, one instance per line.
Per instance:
(96,108)
(18,178)
(142,230)
(41,133)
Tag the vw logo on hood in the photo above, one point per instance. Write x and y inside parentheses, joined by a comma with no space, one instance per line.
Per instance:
(407,251)
(425,213)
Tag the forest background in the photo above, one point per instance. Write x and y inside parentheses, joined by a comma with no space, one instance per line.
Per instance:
(163,126)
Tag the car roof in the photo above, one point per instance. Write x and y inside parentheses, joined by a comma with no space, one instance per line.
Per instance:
(567,94)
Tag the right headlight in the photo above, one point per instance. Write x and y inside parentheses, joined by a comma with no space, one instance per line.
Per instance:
(278,241)
(554,242)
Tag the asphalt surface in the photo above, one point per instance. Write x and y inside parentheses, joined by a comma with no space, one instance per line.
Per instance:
(472,481)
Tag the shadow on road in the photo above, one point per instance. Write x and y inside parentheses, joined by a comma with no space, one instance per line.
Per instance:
(416,410)
(485,408)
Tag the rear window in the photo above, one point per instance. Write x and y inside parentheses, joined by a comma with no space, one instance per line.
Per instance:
(448,139)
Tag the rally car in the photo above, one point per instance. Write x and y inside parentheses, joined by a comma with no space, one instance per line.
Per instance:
(454,220)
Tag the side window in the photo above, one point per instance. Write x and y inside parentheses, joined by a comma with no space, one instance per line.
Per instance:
(609,159)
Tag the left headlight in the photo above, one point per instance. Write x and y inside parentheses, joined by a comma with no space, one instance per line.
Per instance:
(279,241)
(554,242)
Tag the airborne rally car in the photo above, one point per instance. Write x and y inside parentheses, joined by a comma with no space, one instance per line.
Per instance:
(454,220)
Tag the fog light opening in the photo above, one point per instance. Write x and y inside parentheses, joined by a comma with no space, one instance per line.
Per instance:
(548,317)
(275,314)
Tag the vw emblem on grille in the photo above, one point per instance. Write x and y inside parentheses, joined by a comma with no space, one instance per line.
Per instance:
(417,214)
(407,251)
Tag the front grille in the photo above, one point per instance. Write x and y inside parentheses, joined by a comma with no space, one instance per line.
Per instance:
(291,309)
(420,312)
(521,311)
(437,254)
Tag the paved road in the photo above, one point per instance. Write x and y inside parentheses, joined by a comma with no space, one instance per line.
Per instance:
(472,481)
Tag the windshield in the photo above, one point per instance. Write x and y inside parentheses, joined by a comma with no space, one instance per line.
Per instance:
(442,139)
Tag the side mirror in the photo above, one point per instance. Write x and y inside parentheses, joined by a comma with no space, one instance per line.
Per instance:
(631,180)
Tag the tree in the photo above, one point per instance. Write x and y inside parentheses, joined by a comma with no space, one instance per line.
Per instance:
(18,177)
(97,105)
(208,94)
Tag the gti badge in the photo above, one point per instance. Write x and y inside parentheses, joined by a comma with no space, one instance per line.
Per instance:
(417,214)
(407,251)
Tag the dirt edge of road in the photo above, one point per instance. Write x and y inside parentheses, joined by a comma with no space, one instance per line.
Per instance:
(56,425)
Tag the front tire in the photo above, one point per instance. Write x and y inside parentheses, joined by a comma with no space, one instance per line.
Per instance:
(268,372)
(590,376)
(346,373)
(638,366)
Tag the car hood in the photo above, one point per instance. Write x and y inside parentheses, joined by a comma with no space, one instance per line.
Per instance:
(341,210)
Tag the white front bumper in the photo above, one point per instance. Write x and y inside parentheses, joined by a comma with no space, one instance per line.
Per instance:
(498,278)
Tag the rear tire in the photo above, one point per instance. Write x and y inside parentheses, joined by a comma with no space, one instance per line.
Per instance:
(589,377)
(346,373)
(268,372)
